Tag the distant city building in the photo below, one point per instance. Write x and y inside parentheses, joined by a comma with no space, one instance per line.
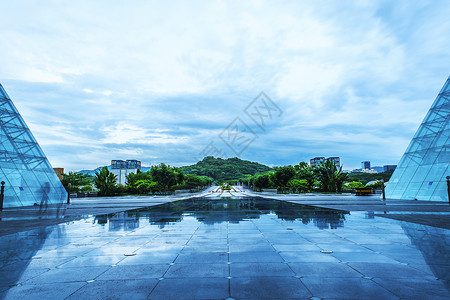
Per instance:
(316,161)
(320,159)
(370,171)
(336,160)
(122,168)
(59,172)
(389,167)
(365,165)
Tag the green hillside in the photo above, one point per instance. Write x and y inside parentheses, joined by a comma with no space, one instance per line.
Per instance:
(225,169)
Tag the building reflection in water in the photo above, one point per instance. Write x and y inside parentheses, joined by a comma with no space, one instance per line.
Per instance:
(213,211)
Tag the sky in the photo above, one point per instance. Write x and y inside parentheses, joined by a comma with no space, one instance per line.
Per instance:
(277,82)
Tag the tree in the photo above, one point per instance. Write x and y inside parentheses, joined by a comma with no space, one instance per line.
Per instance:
(76,180)
(164,175)
(132,178)
(262,181)
(304,171)
(282,175)
(105,181)
(300,185)
(145,186)
(331,178)
(353,185)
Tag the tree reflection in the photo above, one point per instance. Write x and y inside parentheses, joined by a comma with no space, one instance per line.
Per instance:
(213,211)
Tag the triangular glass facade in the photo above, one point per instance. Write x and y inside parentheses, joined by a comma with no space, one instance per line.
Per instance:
(421,173)
(29,177)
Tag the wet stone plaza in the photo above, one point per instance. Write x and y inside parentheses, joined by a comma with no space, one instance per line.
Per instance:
(235,248)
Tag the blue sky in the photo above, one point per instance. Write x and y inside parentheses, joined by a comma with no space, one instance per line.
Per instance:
(159,81)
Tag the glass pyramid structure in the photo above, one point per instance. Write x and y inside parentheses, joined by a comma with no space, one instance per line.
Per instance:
(421,173)
(29,177)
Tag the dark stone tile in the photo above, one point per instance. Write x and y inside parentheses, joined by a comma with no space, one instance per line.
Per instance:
(202,257)
(43,291)
(111,250)
(51,262)
(206,288)
(307,256)
(15,273)
(259,269)
(260,256)
(336,248)
(249,247)
(268,288)
(345,288)
(205,248)
(146,271)
(93,261)
(388,270)
(147,258)
(116,289)
(408,288)
(68,275)
(239,241)
(301,247)
(197,270)
(323,269)
(363,257)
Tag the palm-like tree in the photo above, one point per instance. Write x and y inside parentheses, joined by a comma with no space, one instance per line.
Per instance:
(330,177)
(105,181)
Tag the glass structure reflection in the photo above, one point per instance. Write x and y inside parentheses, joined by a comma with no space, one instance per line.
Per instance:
(421,173)
(29,177)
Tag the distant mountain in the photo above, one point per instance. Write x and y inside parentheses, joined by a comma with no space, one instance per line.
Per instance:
(217,168)
(225,169)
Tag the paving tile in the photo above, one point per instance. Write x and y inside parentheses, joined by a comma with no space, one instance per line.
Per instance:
(116,289)
(206,288)
(205,248)
(362,257)
(345,288)
(52,291)
(93,261)
(202,257)
(253,256)
(323,269)
(388,270)
(197,270)
(409,288)
(68,274)
(268,288)
(146,271)
(16,273)
(307,256)
(111,250)
(301,247)
(147,258)
(259,269)
(250,247)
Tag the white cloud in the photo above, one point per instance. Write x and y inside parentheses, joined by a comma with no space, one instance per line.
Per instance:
(100,73)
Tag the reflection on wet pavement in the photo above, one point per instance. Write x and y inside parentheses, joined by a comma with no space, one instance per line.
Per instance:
(218,248)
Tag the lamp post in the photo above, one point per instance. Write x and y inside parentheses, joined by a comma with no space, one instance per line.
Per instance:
(2,194)
(448,188)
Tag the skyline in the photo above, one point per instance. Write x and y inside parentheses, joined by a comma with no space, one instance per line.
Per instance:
(100,81)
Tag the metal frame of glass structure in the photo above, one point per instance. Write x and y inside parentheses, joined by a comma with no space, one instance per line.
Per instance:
(29,177)
(421,172)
